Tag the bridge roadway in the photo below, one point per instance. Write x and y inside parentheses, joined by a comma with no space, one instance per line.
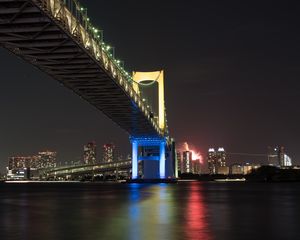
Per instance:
(56,36)
(84,169)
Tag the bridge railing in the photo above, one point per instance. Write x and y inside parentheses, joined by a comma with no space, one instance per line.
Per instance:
(72,17)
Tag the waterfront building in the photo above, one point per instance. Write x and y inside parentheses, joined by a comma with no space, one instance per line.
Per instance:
(46,159)
(211,160)
(223,170)
(187,162)
(89,153)
(196,166)
(179,161)
(221,157)
(274,155)
(247,168)
(236,169)
(278,157)
(216,159)
(287,161)
(22,162)
(108,153)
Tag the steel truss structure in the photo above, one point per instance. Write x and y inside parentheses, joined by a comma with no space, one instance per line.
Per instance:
(56,37)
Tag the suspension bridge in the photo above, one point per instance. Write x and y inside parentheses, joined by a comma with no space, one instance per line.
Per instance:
(57,37)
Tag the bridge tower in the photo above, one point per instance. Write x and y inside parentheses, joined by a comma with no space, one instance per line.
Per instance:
(152,149)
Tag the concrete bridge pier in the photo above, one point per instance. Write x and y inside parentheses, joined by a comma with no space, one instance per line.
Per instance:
(155,157)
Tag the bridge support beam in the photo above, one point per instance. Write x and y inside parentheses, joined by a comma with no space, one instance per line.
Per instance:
(162,160)
(149,149)
(134,159)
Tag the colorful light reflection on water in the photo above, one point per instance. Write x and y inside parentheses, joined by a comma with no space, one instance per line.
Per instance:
(194,210)
(196,226)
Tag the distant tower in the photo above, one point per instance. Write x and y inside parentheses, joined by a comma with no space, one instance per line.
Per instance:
(187,162)
(277,157)
(89,153)
(108,153)
(196,166)
(179,161)
(221,157)
(287,161)
(273,156)
(216,159)
(47,159)
(211,160)
(19,162)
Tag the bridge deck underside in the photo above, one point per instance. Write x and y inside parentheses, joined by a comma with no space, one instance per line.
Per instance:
(29,32)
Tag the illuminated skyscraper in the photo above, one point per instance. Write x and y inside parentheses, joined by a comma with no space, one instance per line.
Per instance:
(19,162)
(108,153)
(278,157)
(211,160)
(287,161)
(216,159)
(89,153)
(187,162)
(196,166)
(274,155)
(47,159)
(179,161)
(221,157)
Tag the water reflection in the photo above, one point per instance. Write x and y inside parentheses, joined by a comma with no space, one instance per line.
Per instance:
(163,212)
(94,211)
(196,226)
(205,211)
(151,214)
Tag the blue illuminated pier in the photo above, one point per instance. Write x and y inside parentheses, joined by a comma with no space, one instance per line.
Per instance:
(160,144)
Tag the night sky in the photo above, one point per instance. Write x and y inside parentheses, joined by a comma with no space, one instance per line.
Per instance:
(231,71)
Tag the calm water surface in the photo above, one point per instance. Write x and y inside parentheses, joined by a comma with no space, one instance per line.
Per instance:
(191,210)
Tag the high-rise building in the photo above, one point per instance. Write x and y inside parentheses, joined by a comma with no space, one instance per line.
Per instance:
(108,153)
(221,157)
(278,157)
(211,160)
(287,161)
(196,166)
(274,155)
(18,162)
(216,160)
(47,159)
(20,167)
(89,153)
(21,162)
(179,161)
(187,162)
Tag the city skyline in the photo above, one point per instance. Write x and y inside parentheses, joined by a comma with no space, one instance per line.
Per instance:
(188,158)
(234,86)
